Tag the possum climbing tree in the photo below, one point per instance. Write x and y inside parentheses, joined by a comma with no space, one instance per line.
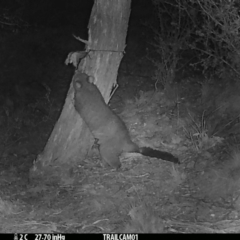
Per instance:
(70,140)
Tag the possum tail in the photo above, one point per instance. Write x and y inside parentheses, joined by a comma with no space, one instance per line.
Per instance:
(146,151)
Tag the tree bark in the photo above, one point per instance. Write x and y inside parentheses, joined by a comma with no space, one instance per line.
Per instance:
(106,42)
(70,140)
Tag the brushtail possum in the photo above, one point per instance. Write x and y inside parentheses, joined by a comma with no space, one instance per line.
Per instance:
(107,127)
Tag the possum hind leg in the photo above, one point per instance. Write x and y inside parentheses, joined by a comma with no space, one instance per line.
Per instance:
(109,155)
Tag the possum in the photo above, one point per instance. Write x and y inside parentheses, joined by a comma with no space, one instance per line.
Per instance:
(107,127)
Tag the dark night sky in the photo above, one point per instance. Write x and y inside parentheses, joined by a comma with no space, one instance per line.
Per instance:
(51,13)
(57,13)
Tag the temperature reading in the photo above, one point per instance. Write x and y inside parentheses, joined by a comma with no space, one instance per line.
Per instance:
(22,237)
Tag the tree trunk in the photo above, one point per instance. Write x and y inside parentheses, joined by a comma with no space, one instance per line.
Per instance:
(70,140)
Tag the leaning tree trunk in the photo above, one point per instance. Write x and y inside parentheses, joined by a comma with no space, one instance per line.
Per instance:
(70,140)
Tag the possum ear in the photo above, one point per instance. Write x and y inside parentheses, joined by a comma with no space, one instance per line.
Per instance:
(78,85)
(91,79)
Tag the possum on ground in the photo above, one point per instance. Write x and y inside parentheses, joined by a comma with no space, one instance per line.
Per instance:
(110,131)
